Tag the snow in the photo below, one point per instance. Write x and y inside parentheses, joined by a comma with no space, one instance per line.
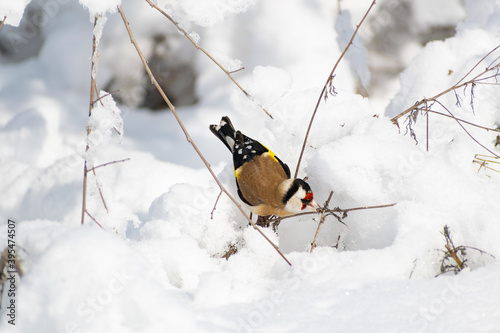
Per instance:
(104,120)
(157,264)
(100,8)
(204,13)
(13,10)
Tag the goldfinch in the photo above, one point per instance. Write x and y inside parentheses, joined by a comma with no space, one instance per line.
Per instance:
(263,180)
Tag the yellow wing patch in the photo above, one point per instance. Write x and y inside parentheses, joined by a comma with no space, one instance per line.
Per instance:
(270,153)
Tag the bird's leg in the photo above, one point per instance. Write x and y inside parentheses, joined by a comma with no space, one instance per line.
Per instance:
(262,221)
(276,224)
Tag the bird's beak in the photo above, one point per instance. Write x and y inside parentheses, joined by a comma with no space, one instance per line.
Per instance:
(313,205)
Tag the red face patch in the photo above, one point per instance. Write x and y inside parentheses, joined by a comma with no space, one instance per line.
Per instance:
(307,198)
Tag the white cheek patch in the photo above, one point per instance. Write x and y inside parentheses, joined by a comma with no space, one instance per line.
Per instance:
(300,194)
(295,203)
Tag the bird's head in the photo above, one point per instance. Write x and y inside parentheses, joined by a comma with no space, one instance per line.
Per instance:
(298,196)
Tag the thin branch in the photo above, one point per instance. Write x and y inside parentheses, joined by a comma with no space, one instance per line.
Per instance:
(334,210)
(215,206)
(479,250)
(477,64)
(452,251)
(470,135)
(228,73)
(109,163)
(483,164)
(106,95)
(340,210)
(3,22)
(100,191)
(93,219)
(483,161)
(427,128)
(476,79)
(237,70)
(91,105)
(321,221)
(463,121)
(325,87)
(188,137)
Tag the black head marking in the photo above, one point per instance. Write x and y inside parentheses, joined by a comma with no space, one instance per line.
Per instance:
(296,184)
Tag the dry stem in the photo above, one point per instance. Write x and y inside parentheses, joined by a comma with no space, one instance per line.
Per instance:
(188,137)
(478,79)
(453,254)
(3,22)
(328,85)
(470,135)
(321,220)
(334,210)
(91,105)
(483,161)
(215,206)
(93,219)
(198,46)
(460,120)
(106,164)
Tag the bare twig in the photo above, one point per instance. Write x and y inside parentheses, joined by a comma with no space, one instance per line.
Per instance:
(460,84)
(3,22)
(215,206)
(100,191)
(321,220)
(452,251)
(484,160)
(340,210)
(109,163)
(93,219)
(427,128)
(456,253)
(334,210)
(105,95)
(470,135)
(461,120)
(490,66)
(328,85)
(228,73)
(91,105)
(188,137)
(479,250)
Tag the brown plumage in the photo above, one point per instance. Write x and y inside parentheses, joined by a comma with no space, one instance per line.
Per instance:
(261,189)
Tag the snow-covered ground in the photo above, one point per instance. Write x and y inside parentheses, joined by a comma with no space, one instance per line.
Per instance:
(156,265)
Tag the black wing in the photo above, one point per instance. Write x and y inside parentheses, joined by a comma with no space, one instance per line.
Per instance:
(246,148)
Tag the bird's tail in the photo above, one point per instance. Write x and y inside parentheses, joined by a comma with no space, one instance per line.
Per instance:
(225,132)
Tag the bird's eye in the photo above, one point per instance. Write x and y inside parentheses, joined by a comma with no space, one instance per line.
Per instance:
(305,203)
(307,200)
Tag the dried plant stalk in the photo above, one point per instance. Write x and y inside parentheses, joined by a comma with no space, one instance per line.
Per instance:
(3,22)
(91,105)
(491,72)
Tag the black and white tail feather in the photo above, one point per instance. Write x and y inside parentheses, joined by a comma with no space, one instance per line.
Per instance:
(244,148)
(225,132)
